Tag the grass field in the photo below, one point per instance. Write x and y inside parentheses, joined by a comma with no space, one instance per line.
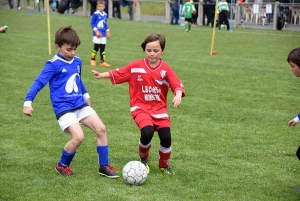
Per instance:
(230,136)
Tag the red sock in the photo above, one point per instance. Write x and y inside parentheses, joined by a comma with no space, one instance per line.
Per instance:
(144,150)
(164,159)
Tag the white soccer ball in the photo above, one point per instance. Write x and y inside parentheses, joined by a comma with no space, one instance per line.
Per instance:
(135,173)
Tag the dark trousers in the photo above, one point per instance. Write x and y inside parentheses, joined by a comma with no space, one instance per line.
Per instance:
(116,9)
(195,16)
(175,14)
(223,18)
(93,6)
(206,9)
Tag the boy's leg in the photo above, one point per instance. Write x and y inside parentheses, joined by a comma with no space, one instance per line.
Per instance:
(69,124)
(165,150)
(298,153)
(145,124)
(94,54)
(186,25)
(145,142)
(102,44)
(94,122)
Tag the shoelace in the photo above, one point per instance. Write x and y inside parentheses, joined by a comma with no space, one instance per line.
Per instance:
(68,170)
(111,168)
(168,170)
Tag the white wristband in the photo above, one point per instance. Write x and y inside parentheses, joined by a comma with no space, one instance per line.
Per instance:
(27,104)
(86,96)
(296,119)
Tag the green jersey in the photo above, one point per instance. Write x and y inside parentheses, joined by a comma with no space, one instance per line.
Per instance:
(188,9)
(223,6)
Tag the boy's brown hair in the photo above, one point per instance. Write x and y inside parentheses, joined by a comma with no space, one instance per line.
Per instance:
(67,35)
(101,2)
(154,37)
(294,56)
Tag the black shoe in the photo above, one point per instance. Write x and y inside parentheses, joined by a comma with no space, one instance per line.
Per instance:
(145,162)
(167,170)
(108,171)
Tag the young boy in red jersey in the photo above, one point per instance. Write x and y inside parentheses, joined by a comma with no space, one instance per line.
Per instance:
(294,61)
(149,80)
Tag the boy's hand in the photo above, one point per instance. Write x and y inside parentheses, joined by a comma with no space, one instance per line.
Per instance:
(98,34)
(88,101)
(108,34)
(96,74)
(176,101)
(28,111)
(292,123)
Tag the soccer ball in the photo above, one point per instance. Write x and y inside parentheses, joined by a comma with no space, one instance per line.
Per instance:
(135,173)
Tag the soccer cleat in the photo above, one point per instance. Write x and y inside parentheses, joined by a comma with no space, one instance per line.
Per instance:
(93,63)
(146,163)
(64,171)
(108,171)
(104,64)
(167,170)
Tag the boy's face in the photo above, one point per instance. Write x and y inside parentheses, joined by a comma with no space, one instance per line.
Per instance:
(295,69)
(100,7)
(67,51)
(153,52)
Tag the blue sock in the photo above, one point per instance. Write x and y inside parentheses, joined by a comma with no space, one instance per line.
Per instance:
(102,155)
(66,158)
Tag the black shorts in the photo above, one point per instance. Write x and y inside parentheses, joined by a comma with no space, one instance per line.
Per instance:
(188,19)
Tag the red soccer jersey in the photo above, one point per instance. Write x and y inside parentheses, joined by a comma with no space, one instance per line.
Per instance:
(148,87)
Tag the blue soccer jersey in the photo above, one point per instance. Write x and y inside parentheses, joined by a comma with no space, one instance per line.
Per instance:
(67,91)
(99,22)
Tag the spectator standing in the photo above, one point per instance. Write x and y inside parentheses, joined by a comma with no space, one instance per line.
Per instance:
(130,8)
(195,17)
(93,4)
(117,9)
(175,11)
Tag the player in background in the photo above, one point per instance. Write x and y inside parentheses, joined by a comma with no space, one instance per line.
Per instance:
(100,34)
(149,80)
(188,10)
(223,14)
(70,102)
(294,60)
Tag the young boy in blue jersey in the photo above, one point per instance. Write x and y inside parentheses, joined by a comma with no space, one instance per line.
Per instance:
(70,102)
(100,33)
(294,60)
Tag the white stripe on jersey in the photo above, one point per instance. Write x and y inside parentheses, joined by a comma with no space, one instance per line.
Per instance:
(138,70)
(162,82)
(58,58)
(159,116)
(134,108)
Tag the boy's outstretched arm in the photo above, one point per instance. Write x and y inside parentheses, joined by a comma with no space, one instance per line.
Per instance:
(100,75)
(177,99)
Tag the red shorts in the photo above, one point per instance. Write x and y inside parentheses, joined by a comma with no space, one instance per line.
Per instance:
(143,119)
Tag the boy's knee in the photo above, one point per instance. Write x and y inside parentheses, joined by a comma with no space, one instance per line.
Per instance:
(100,130)
(78,140)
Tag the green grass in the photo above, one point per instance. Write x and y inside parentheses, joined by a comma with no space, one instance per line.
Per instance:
(230,135)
